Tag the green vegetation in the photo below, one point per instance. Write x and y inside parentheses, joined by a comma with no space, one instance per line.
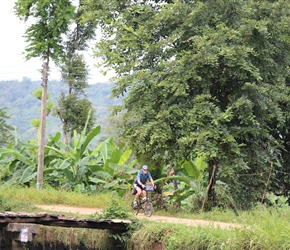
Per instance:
(14,196)
(175,236)
(259,228)
(73,106)
(5,128)
(211,86)
(72,238)
(114,211)
(47,23)
(205,103)
(203,78)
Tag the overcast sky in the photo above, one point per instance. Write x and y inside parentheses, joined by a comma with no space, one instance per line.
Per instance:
(12,63)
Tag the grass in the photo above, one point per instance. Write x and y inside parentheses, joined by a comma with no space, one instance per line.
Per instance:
(30,196)
(267,234)
(215,214)
(54,237)
(265,228)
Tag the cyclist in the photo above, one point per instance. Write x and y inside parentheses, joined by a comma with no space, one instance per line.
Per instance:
(140,183)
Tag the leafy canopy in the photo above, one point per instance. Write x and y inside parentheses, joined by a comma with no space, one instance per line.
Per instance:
(203,78)
(51,21)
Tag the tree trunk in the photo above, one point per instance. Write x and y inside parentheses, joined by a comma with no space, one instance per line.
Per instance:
(65,137)
(175,186)
(42,128)
(211,187)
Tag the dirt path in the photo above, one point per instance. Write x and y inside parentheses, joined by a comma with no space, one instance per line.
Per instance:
(190,222)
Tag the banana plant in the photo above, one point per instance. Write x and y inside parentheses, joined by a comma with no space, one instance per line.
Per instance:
(73,167)
(191,173)
(117,173)
(71,163)
(18,166)
(79,167)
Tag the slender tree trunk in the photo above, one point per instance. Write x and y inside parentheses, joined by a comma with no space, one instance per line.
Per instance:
(41,141)
(175,186)
(210,192)
(65,137)
(268,181)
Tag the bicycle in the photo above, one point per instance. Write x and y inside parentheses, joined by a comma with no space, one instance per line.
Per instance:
(146,205)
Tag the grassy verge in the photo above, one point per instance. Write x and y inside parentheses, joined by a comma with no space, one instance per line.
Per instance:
(261,228)
(15,198)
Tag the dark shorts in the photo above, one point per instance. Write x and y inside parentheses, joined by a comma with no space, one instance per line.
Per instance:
(137,185)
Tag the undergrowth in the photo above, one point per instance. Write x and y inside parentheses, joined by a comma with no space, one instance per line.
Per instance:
(113,211)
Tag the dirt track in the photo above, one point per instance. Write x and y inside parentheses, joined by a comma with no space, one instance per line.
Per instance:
(86,211)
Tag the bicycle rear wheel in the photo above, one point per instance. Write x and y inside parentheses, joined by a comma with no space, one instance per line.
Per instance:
(148,209)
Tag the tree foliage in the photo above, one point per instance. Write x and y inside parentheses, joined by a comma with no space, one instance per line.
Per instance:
(5,128)
(75,73)
(73,112)
(51,21)
(203,78)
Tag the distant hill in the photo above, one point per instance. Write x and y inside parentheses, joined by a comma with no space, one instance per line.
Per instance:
(22,106)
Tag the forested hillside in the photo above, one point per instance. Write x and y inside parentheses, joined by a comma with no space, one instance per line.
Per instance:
(18,97)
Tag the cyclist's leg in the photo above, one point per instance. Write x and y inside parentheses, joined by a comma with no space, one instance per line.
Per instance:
(137,195)
(143,194)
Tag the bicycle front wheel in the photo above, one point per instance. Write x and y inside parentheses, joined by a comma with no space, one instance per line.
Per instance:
(148,209)
(135,209)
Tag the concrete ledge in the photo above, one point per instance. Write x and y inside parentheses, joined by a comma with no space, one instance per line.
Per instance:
(17,227)
(22,231)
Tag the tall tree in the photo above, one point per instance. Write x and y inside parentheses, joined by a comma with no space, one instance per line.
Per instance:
(204,78)
(74,105)
(279,179)
(50,22)
(5,128)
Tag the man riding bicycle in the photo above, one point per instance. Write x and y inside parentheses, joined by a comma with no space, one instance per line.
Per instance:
(140,183)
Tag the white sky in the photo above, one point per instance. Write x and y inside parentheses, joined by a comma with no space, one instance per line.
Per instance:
(13,66)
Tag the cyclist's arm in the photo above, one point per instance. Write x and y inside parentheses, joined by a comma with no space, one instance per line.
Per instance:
(140,183)
(152,182)
(151,179)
